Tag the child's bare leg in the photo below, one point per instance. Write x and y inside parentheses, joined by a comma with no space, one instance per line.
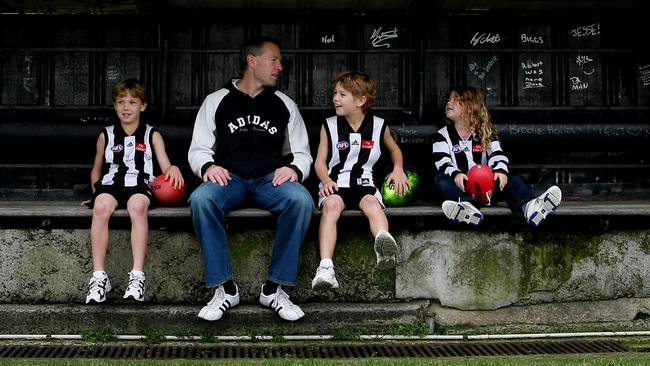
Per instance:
(385,245)
(375,214)
(331,211)
(103,208)
(138,207)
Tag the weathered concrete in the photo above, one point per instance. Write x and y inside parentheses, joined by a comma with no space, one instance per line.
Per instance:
(588,316)
(319,318)
(488,270)
(464,269)
(53,266)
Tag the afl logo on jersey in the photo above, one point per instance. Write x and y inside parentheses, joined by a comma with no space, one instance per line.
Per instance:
(117,148)
(456,149)
(342,145)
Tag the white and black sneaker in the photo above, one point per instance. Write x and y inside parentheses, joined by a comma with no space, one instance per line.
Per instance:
(279,301)
(325,279)
(220,302)
(386,250)
(462,212)
(98,286)
(537,209)
(135,290)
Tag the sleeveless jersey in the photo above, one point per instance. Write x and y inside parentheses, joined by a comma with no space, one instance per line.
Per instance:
(353,154)
(128,160)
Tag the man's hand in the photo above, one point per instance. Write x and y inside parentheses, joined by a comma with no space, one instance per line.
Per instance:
(284,174)
(217,174)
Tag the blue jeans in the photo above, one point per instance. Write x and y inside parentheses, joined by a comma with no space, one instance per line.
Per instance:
(210,203)
(516,193)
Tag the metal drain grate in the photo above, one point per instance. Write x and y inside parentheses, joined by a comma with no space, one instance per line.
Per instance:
(334,351)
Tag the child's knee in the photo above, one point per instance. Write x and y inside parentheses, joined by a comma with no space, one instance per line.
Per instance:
(333,204)
(137,206)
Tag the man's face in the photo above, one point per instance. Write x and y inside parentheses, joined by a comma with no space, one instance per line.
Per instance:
(267,66)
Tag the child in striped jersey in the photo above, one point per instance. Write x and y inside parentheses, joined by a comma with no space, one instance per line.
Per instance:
(121,176)
(351,143)
(471,139)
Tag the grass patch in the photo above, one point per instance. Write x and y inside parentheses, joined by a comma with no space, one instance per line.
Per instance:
(628,359)
(101,335)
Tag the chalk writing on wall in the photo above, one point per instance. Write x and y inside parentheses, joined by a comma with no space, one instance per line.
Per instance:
(379,37)
(525,38)
(586,64)
(586,30)
(577,84)
(644,74)
(481,38)
(28,77)
(533,74)
(112,73)
(480,71)
(633,131)
(327,39)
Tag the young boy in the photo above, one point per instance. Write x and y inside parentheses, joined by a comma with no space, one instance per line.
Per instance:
(351,143)
(121,177)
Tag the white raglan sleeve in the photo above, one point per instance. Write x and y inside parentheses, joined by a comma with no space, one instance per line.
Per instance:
(296,141)
(204,139)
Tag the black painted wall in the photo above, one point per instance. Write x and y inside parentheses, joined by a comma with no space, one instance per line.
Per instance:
(567,88)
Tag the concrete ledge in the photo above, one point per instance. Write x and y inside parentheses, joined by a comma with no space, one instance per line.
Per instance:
(587,316)
(320,318)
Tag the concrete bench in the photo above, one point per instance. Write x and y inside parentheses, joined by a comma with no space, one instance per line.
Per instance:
(73,209)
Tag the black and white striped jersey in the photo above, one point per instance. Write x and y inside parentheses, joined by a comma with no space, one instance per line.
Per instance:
(353,154)
(128,159)
(452,154)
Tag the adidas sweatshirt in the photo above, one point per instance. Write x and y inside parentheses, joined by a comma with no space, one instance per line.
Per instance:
(249,137)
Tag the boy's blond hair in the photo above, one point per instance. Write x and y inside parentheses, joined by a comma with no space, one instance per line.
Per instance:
(133,86)
(359,84)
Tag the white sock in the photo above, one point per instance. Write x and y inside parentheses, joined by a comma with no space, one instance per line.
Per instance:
(137,273)
(99,274)
(326,262)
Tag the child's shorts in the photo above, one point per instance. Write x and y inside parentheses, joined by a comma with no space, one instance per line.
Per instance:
(352,196)
(120,193)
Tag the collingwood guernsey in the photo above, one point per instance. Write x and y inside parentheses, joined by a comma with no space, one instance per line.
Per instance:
(250,137)
(452,154)
(128,159)
(353,154)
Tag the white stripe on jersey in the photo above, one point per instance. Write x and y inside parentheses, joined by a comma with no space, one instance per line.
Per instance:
(109,156)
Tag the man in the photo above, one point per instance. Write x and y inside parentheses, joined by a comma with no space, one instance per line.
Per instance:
(250,146)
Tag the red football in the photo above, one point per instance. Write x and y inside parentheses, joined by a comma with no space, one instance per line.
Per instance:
(480,184)
(165,193)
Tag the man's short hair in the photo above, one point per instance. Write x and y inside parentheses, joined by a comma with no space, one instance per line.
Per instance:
(254,47)
(133,86)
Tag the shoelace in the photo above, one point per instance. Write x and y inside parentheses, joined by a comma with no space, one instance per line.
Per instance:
(219,296)
(137,282)
(322,269)
(98,284)
(281,301)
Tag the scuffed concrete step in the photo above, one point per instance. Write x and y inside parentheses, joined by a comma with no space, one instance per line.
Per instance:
(320,318)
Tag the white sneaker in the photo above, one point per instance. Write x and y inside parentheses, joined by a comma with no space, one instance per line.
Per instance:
(135,289)
(324,279)
(462,212)
(537,209)
(386,250)
(279,301)
(220,302)
(97,289)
